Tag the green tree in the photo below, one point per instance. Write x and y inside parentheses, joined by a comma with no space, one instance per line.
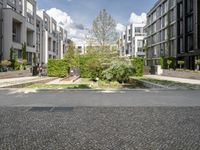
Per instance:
(103,28)
(71,57)
(12,60)
(181,63)
(197,62)
(169,62)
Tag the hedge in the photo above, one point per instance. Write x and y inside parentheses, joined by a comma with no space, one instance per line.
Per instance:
(57,68)
(84,67)
(163,62)
(138,65)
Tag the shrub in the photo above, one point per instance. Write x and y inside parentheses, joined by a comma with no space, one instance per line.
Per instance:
(167,62)
(163,62)
(84,67)
(5,63)
(138,65)
(118,71)
(181,63)
(57,68)
(197,62)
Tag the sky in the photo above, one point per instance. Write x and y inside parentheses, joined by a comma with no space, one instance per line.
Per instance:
(77,15)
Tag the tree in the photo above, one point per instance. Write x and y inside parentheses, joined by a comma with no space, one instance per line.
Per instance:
(181,63)
(169,62)
(103,28)
(12,60)
(197,62)
(71,57)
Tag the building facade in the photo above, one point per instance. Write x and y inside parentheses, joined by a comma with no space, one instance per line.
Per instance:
(131,41)
(19,24)
(173,30)
(188,32)
(161,31)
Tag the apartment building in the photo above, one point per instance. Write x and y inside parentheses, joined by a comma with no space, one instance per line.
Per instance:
(131,41)
(20,24)
(161,31)
(53,38)
(173,30)
(188,32)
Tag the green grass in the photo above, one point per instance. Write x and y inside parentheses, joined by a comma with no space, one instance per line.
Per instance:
(56,86)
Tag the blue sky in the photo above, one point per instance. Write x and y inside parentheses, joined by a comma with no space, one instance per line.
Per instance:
(84,11)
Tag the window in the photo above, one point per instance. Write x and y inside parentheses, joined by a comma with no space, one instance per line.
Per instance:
(190,43)
(154,16)
(181,45)
(180,10)
(29,8)
(166,35)
(189,6)
(54,27)
(140,43)
(190,24)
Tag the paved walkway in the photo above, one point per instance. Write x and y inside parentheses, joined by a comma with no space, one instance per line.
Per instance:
(181,80)
(100,128)
(21,80)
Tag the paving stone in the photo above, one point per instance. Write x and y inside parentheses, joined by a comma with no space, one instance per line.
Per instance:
(101,128)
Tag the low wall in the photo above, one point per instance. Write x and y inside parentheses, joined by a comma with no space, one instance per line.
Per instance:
(15,74)
(181,74)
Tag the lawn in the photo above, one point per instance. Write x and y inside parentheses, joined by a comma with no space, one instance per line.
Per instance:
(59,86)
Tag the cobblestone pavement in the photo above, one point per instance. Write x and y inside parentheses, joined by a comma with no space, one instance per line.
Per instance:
(100,128)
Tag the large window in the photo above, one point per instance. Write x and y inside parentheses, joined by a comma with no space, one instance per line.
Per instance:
(190,43)
(29,8)
(180,10)
(190,24)
(189,6)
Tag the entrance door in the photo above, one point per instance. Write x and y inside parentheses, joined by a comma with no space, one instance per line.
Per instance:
(192,62)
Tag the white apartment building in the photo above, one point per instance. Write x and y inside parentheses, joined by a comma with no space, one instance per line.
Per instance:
(20,24)
(131,41)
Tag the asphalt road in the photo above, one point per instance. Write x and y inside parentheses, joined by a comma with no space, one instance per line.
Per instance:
(90,120)
(77,98)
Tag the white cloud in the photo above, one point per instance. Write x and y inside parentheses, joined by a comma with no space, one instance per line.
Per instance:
(61,17)
(137,19)
(120,28)
(76,32)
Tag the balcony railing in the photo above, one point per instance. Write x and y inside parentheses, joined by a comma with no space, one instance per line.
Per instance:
(30,19)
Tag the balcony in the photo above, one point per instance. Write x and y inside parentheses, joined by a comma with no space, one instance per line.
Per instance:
(30,18)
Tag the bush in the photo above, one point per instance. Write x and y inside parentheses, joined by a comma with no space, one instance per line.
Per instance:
(84,67)
(138,65)
(57,68)
(5,63)
(181,63)
(163,62)
(118,71)
(167,63)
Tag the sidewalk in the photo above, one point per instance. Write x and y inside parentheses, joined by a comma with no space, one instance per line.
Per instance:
(21,80)
(181,80)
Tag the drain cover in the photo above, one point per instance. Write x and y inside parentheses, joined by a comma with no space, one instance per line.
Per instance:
(62,109)
(51,109)
(40,109)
